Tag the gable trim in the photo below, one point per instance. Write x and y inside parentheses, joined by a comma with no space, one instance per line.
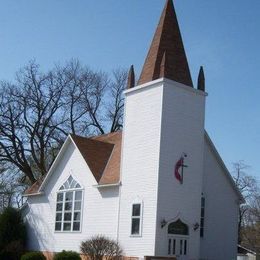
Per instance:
(58,157)
(33,194)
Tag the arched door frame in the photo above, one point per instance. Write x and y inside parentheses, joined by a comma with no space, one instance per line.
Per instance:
(178,241)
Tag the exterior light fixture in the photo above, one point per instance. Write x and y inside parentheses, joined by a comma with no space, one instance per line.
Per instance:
(196,226)
(163,223)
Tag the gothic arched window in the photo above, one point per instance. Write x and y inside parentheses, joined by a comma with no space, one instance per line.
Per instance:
(178,228)
(68,206)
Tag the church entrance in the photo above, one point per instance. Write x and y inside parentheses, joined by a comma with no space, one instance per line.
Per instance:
(178,240)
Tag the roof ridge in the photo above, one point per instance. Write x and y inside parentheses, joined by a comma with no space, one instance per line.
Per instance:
(95,137)
(108,134)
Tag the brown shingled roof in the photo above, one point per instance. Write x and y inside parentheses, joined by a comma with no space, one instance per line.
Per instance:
(96,153)
(166,57)
(111,173)
(101,153)
(34,188)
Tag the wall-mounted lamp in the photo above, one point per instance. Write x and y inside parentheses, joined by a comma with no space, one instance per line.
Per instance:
(196,226)
(163,223)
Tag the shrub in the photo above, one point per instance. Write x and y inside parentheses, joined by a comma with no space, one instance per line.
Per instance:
(12,227)
(5,255)
(12,234)
(33,256)
(13,251)
(100,246)
(67,255)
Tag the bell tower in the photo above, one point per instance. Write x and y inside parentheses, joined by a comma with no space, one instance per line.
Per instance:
(164,119)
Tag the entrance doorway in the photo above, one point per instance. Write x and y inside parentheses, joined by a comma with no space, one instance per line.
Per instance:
(178,240)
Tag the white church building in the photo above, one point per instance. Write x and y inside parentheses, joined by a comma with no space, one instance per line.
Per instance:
(158,187)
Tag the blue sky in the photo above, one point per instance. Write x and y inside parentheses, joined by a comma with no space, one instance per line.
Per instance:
(222,35)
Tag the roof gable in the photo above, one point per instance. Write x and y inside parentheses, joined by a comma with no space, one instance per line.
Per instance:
(101,153)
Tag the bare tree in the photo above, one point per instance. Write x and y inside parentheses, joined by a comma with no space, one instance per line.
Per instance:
(29,118)
(71,77)
(248,212)
(93,101)
(38,111)
(11,189)
(116,106)
(250,231)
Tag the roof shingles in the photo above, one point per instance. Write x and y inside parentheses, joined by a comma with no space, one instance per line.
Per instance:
(96,153)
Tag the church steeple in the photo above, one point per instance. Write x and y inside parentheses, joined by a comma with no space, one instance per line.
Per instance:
(166,57)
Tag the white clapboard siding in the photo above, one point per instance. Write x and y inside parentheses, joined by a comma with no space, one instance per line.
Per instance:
(98,205)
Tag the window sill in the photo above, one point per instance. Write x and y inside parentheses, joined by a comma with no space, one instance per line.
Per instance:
(67,232)
(135,235)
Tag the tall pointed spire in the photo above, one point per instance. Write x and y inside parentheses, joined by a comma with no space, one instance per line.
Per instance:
(201,80)
(167,44)
(131,78)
